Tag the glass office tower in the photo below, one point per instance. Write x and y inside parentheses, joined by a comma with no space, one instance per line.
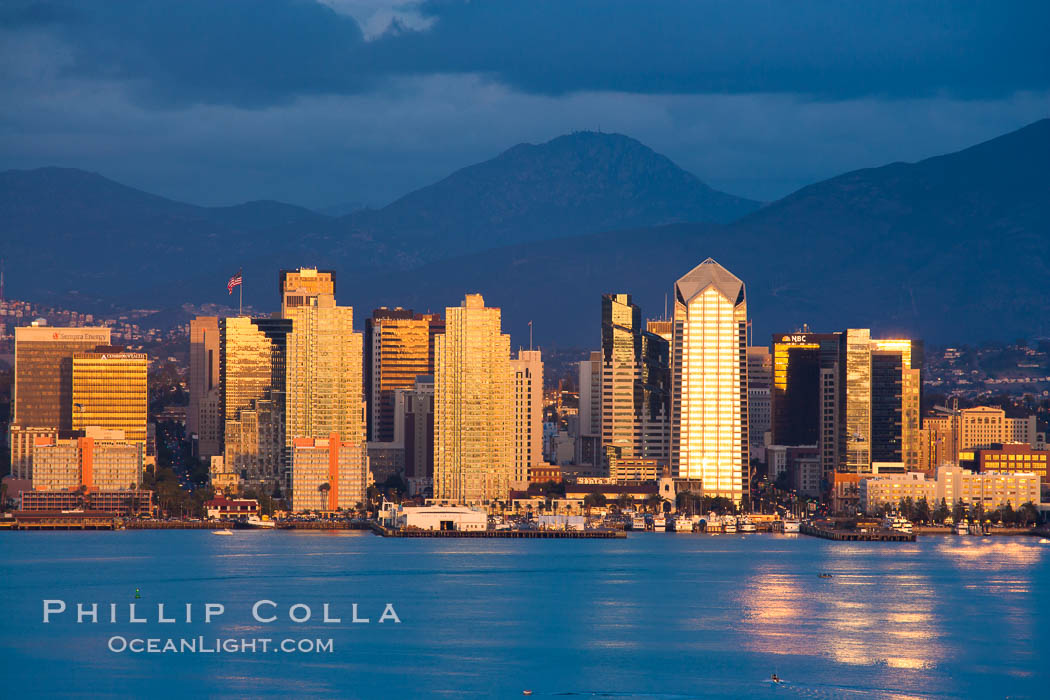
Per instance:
(709,439)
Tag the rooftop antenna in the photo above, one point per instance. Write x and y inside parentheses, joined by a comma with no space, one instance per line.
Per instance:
(1,280)
(530,336)
(665,306)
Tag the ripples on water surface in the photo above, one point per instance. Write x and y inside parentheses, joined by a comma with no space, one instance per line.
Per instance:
(654,616)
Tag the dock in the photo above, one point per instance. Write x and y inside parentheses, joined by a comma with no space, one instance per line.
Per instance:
(856,535)
(506,534)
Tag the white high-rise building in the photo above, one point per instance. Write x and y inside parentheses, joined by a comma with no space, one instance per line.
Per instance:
(709,425)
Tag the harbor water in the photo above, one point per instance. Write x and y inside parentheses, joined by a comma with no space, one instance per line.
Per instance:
(655,615)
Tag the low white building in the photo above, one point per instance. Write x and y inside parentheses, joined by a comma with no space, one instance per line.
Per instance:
(459,518)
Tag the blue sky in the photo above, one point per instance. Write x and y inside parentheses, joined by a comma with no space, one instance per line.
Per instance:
(329,102)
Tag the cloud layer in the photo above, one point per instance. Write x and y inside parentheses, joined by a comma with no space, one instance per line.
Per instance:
(360,100)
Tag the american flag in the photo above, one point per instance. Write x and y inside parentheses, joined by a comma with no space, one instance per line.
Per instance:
(235,281)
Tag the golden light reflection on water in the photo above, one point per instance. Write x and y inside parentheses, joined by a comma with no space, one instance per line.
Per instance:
(883,617)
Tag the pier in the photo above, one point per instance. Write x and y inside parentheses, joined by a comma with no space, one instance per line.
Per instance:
(856,535)
(506,534)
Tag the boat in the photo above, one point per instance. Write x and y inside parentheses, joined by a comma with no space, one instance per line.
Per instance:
(791,526)
(638,523)
(729,526)
(224,531)
(745,525)
(898,523)
(256,521)
(659,524)
(683,524)
(961,528)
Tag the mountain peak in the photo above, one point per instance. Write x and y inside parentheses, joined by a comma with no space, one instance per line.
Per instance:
(577,183)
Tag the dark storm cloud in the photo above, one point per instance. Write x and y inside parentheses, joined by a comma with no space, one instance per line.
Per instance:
(258,52)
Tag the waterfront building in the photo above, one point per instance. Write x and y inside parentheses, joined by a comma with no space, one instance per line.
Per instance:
(328,474)
(399,346)
(134,502)
(109,391)
(528,413)
(323,393)
(952,484)
(225,508)
(441,517)
(42,398)
(473,406)
(635,385)
(252,376)
(204,413)
(101,460)
(297,287)
(709,440)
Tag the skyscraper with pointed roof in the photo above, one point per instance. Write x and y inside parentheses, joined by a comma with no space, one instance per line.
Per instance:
(709,435)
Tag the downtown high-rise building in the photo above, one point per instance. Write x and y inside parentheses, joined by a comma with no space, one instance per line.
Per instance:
(709,412)
(473,406)
(109,392)
(252,376)
(204,413)
(635,387)
(587,457)
(854,396)
(399,346)
(879,399)
(759,398)
(323,392)
(528,413)
(42,401)
(297,287)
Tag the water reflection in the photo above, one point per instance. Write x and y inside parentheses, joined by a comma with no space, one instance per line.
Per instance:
(861,616)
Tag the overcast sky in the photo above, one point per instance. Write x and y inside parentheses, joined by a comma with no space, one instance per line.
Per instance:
(330,102)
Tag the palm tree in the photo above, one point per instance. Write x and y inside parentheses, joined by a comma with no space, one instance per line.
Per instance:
(324,489)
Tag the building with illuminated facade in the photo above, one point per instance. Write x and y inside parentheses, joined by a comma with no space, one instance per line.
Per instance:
(990,490)
(323,393)
(854,396)
(42,401)
(102,460)
(635,391)
(328,474)
(109,391)
(473,406)
(709,415)
(204,414)
(1007,458)
(252,376)
(297,287)
(399,346)
(528,413)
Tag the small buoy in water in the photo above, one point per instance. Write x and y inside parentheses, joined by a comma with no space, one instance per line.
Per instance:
(137,594)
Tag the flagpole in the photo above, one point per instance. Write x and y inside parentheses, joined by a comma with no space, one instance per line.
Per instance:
(240,296)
